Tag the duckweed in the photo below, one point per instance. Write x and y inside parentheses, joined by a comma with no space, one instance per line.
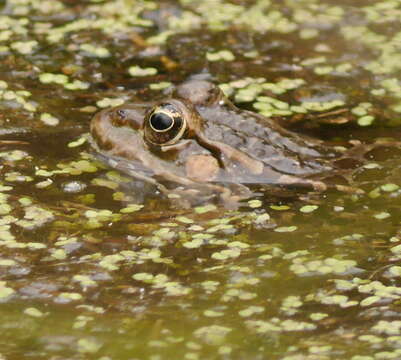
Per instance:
(88,346)
(47,78)
(131,208)
(284,229)
(24,47)
(160,86)
(34,312)
(80,141)
(308,209)
(251,310)
(7,262)
(301,266)
(222,55)
(48,119)
(213,334)
(318,316)
(108,102)
(366,120)
(5,291)
(66,296)
(389,187)
(387,327)
(205,209)
(254,203)
(212,313)
(94,51)
(138,71)
(383,215)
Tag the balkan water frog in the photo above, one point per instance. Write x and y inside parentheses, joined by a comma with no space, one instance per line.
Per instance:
(196,141)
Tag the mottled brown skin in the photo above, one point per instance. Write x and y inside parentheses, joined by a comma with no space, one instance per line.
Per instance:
(210,143)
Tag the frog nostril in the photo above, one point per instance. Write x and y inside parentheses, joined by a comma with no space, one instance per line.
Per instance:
(121,113)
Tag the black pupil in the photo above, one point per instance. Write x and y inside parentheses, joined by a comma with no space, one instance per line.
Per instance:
(161,121)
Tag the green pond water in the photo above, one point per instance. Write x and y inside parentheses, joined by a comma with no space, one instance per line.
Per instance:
(96,266)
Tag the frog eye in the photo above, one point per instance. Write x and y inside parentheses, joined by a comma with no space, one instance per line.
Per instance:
(165,125)
(161,122)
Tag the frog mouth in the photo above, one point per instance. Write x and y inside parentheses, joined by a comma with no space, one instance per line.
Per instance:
(130,167)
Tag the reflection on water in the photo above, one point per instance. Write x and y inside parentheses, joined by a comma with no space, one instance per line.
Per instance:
(90,269)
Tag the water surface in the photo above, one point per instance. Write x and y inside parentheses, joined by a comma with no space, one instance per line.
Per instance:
(96,266)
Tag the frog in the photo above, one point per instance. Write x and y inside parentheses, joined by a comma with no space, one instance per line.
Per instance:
(196,143)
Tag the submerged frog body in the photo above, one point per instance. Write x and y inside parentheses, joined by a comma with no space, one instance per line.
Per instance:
(197,139)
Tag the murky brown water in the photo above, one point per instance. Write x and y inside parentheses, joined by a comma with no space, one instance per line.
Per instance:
(95,266)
